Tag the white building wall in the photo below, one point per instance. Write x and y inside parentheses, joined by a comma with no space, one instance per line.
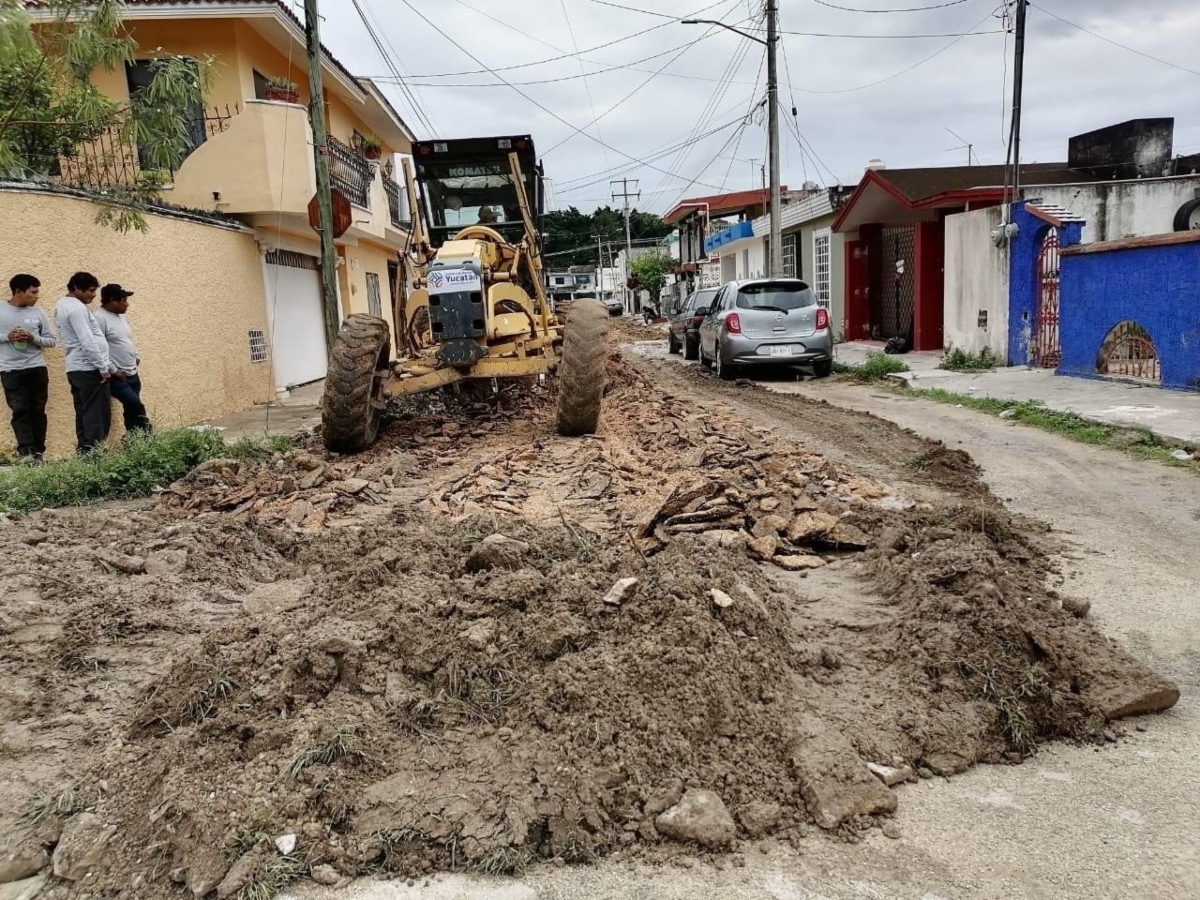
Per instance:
(976,284)
(1117,209)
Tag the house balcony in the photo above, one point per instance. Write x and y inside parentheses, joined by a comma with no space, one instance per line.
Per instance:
(737,232)
(256,163)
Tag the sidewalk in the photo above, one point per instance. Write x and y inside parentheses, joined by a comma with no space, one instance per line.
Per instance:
(1172,416)
(301,410)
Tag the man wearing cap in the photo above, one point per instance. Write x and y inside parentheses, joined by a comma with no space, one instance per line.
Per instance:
(126,385)
(88,366)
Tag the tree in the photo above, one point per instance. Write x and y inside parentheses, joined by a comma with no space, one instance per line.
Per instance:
(649,273)
(570,235)
(50,110)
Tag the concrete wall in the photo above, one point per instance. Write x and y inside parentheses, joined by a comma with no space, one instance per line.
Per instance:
(976,284)
(805,237)
(1156,286)
(199,292)
(1119,209)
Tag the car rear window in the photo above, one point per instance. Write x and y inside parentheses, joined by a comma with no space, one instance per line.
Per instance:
(702,299)
(781,295)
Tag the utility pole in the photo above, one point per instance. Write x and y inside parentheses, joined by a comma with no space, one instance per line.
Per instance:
(775,247)
(635,305)
(316,113)
(1018,89)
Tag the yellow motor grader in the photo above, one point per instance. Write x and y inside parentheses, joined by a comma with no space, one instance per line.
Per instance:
(474,305)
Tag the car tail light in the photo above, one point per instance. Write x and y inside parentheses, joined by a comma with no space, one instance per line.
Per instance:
(733,324)
(822,319)
(697,320)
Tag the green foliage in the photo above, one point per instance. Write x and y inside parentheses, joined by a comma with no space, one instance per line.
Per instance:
(145,463)
(958,360)
(649,273)
(569,229)
(877,367)
(52,114)
(1135,441)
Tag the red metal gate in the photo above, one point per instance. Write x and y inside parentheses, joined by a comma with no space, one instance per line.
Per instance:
(1046,350)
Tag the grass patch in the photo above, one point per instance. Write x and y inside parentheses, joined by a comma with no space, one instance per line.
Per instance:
(958,360)
(324,754)
(876,367)
(45,804)
(1135,441)
(142,464)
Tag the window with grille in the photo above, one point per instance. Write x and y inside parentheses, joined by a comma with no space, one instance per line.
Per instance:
(374,297)
(258,345)
(789,256)
(822,274)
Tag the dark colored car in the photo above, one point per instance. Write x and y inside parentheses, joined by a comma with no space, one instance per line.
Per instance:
(684,322)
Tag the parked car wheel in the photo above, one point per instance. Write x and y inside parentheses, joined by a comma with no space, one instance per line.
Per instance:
(691,349)
(724,371)
(672,346)
(823,369)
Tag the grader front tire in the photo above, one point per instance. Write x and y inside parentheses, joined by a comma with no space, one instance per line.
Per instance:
(350,411)
(581,369)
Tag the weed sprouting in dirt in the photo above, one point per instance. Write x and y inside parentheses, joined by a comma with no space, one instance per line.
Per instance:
(215,685)
(44,804)
(276,875)
(506,861)
(1023,696)
(329,751)
(876,367)
(257,828)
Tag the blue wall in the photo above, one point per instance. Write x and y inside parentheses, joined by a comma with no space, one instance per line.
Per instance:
(1023,279)
(1156,287)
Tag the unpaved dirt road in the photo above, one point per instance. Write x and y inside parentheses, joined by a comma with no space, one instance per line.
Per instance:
(323,647)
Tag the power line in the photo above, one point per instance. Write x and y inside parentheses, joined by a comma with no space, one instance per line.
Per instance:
(526,96)
(542,62)
(889,37)
(709,33)
(910,9)
(644,12)
(904,71)
(389,61)
(1107,40)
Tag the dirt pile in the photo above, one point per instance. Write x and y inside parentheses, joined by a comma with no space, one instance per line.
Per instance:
(248,695)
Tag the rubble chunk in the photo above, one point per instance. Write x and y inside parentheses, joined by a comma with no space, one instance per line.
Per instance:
(82,844)
(496,552)
(700,817)
(623,590)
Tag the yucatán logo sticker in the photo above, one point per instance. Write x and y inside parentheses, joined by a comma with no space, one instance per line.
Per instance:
(453,280)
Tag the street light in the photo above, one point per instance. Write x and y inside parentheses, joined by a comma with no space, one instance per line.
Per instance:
(771,42)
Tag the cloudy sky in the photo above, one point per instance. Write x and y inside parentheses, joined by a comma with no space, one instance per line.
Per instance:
(854,99)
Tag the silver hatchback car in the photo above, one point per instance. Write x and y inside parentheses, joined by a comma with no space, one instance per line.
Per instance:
(766,322)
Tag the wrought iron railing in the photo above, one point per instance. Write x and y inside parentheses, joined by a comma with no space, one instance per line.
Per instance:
(113,160)
(351,173)
(395,205)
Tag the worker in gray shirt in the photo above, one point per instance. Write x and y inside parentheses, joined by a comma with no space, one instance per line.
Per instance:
(24,333)
(126,384)
(88,366)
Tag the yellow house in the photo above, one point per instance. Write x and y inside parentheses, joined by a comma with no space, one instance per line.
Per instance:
(252,160)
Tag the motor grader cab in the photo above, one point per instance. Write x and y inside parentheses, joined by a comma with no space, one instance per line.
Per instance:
(474,307)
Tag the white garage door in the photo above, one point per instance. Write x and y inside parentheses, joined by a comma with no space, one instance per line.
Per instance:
(295,316)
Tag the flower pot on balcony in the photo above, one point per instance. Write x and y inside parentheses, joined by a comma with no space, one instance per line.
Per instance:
(283,95)
(372,153)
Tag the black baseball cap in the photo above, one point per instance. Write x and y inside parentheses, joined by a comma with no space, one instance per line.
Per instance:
(111,292)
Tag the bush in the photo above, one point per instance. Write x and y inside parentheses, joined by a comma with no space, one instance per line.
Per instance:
(141,465)
(877,367)
(958,360)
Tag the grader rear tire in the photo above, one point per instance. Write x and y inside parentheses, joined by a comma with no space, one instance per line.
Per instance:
(349,417)
(581,369)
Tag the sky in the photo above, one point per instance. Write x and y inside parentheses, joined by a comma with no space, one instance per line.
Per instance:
(694,91)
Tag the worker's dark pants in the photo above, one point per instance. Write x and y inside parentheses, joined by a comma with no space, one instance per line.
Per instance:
(128,392)
(93,409)
(26,391)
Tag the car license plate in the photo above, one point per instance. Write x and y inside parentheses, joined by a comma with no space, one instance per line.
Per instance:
(781,351)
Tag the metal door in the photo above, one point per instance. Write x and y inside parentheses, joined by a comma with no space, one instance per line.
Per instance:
(1046,349)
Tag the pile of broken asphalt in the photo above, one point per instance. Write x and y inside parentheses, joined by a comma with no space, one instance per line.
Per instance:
(478,646)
